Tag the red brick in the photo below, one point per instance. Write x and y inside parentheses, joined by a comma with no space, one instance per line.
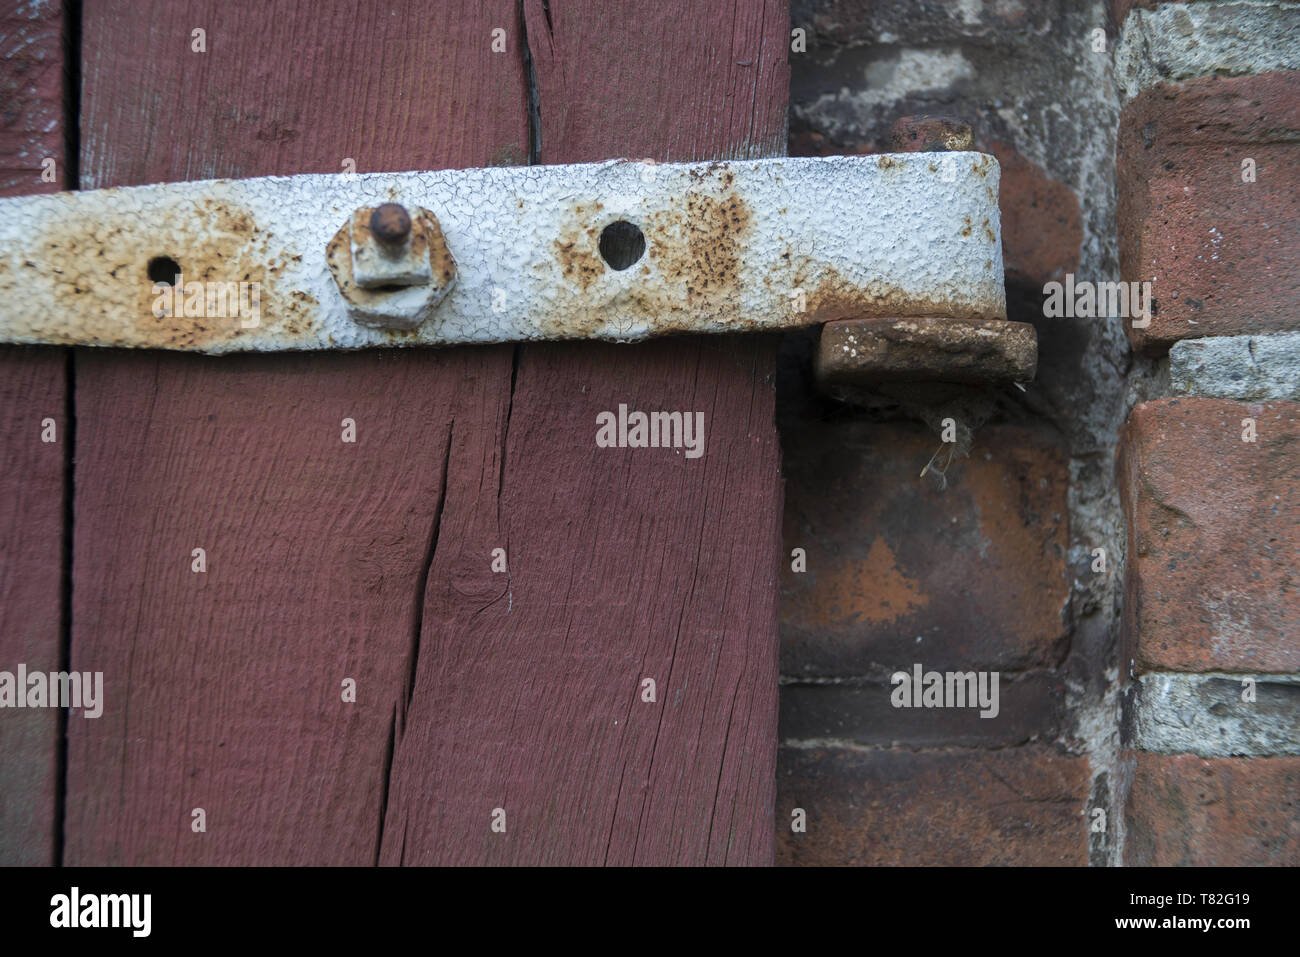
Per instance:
(1213,534)
(1222,256)
(1024,806)
(1212,812)
(1042,227)
(975,571)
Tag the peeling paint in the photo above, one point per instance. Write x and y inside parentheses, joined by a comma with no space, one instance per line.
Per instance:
(729,247)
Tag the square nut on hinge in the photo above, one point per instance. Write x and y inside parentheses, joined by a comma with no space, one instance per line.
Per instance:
(392,267)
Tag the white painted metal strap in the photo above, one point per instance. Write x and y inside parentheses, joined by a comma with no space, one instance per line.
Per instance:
(727,246)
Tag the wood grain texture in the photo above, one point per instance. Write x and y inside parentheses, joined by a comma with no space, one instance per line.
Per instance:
(31,96)
(297,86)
(477,689)
(625,564)
(224,688)
(32,475)
(33,387)
(682,81)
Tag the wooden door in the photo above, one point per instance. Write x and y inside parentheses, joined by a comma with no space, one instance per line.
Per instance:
(477,691)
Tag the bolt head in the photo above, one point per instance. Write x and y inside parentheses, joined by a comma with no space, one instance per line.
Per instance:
(391,287)
(390,224)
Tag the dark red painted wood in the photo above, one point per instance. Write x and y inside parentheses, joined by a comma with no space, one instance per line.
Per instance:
(681,81)
(224,688)
(32,91)
(32,472)
(521,690)
(624,563)
(31,579)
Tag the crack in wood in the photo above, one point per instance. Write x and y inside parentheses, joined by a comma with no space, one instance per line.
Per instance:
(534,95)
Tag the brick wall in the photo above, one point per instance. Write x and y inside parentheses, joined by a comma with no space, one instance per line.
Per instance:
(985,563)
(1208,167)
(1107,544)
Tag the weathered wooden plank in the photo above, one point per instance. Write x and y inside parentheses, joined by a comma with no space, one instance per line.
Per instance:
(297,87)
(682,81)
(223,688)
(32,471)
(528,688)
(32,475)
(624,563)
(32,91)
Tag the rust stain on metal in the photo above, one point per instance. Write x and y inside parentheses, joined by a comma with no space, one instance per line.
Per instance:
(833,297)
(440,260)
(696,248)
(863,351)
(579,257)
(727,246)
(222,244)
(709,261)
(927,133)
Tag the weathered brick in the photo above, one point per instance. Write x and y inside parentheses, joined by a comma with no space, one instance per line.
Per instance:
(1030,708)
(1214,716)
(1042,225)
(898,571)
(844,22)
(1213,535)
(1212,812)
(1119,9)
(1222,255)
(1025,806)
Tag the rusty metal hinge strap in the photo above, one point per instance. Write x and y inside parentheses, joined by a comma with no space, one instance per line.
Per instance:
(618,250)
